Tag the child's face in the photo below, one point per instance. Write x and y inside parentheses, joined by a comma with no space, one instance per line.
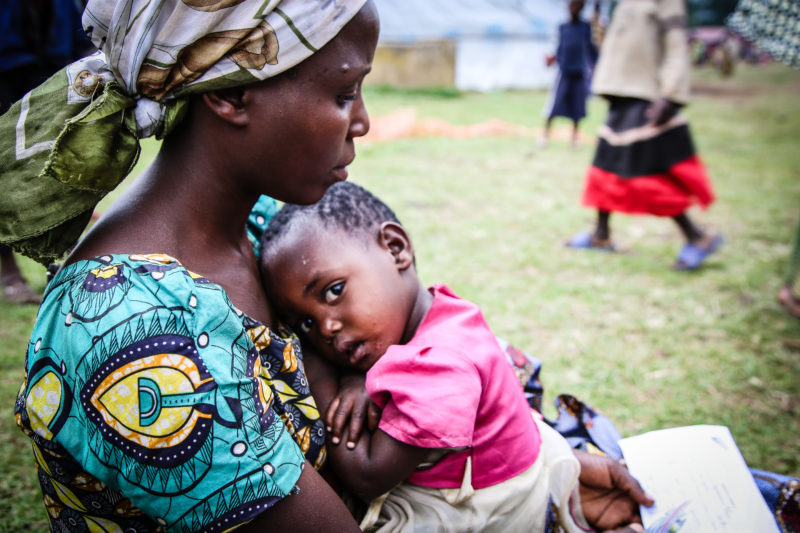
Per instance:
(575,8)
(347,294)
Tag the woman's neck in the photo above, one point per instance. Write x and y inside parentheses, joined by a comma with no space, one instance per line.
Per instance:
(184,206)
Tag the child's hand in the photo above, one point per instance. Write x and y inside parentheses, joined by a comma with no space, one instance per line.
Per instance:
(351,404)
(610,495)
(660,111)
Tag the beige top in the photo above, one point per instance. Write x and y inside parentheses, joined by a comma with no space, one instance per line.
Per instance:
(645,52)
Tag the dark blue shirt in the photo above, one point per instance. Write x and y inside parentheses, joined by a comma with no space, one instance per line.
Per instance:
(49,37)
(576,53)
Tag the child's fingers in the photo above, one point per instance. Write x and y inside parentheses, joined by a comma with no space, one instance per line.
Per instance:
(334,429)
(356,425)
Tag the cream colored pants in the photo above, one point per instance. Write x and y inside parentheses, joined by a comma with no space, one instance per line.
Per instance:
(518,504)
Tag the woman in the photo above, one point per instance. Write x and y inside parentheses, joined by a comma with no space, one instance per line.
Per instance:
(157,397)
(645,162)
(147,398)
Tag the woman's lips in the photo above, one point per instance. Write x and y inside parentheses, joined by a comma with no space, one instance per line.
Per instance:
(339,173)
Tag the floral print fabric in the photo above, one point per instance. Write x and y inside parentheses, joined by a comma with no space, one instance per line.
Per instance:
(154,404)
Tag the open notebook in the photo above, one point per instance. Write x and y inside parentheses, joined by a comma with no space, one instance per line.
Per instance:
(699,480)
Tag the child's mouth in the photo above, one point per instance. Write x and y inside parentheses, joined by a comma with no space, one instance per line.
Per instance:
(356,353)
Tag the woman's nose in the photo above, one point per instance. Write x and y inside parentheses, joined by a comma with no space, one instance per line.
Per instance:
(359,122)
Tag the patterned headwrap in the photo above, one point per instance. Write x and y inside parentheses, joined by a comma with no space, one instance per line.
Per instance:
(73,139)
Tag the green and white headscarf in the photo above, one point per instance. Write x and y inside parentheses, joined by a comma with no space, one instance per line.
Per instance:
(73,139)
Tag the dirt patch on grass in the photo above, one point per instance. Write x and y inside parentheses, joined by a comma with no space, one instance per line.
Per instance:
(405,123)
(722,90)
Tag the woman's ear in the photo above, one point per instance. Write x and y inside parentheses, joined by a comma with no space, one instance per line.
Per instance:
(229,104)
(394,238)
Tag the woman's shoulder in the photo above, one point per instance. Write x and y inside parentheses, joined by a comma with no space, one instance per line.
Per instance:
(139,295)
(161,276)
(150,377)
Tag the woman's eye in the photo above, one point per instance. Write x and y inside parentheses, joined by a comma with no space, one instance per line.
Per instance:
(345,98)
(334,292)
(305,325)
(349,95)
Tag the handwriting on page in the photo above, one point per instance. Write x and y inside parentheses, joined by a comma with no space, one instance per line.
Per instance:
(699,480)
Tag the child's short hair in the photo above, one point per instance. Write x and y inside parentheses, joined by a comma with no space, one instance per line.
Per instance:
(345,205)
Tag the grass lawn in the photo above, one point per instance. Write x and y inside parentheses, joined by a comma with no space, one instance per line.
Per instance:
(649,347)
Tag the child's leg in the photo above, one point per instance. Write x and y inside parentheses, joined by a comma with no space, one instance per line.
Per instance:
(691,232)
(602,232)
(546,133)
(575,133)
(699,244)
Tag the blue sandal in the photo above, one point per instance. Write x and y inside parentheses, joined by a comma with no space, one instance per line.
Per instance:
(584,240)
(692,256)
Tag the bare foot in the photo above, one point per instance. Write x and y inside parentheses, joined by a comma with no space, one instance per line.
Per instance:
(16,291)
(789,301)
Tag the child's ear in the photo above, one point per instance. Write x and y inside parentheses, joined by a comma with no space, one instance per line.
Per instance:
(229,104)
(394,238)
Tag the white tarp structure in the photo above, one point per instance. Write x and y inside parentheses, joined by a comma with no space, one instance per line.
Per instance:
(499,44)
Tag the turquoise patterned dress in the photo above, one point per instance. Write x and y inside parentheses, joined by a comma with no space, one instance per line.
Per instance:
(183,413)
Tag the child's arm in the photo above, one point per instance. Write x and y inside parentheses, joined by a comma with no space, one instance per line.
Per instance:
(376,464)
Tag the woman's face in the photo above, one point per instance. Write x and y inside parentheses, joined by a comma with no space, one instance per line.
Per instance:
(305,120)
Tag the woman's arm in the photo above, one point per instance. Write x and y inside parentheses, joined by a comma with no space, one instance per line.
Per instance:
(313,509)
(376,464)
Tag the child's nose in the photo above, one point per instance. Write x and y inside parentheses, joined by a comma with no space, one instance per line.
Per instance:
(330,326)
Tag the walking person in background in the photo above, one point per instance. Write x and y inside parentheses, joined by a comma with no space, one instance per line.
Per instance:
(576,55)
(645,161)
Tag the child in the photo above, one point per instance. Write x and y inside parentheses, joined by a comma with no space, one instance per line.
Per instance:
(456,447)
(576,56)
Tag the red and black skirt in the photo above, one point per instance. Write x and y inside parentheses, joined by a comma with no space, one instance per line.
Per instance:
(643,169)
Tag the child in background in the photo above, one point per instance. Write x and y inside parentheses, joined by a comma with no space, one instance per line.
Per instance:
(576,55)
(456,448)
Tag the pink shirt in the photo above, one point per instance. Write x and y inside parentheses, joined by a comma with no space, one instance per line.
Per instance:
(451,386)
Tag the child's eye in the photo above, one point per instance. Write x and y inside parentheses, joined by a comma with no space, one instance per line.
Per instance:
(305,325)
(334,292)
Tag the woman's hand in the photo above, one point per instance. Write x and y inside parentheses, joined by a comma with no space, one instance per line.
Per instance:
(351,405)
(610,495)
